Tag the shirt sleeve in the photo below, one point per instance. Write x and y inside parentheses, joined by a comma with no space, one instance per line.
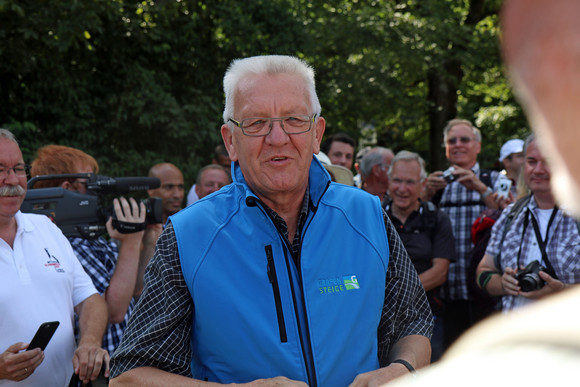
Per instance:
(159,330)
(98,258)
(405,310)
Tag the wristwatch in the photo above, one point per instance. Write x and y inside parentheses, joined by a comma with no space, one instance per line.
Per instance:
(486,193)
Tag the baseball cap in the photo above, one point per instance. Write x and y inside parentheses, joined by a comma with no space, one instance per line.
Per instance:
(510,147)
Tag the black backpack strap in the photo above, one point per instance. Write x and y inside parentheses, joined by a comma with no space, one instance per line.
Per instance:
(429,215)
(514,212)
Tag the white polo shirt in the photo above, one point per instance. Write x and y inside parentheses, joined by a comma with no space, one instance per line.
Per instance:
(41,280)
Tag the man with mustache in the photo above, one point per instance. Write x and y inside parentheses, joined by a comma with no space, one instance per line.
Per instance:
(41,280)
(116,265)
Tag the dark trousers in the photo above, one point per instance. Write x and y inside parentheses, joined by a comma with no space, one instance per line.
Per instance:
(458,316)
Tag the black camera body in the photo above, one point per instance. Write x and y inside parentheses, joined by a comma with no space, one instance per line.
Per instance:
(529,277)
(448,175)
(83,215)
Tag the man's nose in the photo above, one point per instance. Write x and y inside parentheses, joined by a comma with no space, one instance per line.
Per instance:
(277,133)
(11,177)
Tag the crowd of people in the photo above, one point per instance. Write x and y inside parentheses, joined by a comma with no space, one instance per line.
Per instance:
(277,271)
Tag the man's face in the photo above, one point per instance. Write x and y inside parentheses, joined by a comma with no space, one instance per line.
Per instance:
(461,147)
(405,184)
(341,153)
(536,170)
(11,197)
(277,164)
(171,190)
(212,180)
(514,162)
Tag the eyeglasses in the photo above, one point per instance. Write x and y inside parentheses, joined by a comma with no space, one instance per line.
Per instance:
(463,140)
(262,126)
(20,170)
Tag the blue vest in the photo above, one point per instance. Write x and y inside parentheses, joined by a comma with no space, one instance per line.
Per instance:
(256,315)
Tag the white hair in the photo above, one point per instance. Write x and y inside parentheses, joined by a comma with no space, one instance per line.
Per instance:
(408,156)
(5,133)
(375,156)
(268,64)
(459,121)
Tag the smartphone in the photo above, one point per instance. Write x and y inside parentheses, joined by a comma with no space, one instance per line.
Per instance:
(43,335)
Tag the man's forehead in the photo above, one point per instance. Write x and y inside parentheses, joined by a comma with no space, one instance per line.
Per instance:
(10,152)
(341,144)
(409,166)
(256,91)
(461,129)
(214,172)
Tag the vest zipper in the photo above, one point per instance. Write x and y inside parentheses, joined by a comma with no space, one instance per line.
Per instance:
(276,290)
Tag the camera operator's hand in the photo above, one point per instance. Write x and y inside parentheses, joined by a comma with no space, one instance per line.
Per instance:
(509,283)
(129,211)
(434,183)
(552,286)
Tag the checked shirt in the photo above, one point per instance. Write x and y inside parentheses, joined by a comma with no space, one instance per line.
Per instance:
(462,206)
(99,259)
(563,246)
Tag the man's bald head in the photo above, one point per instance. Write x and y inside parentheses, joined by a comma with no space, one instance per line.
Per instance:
(171,190)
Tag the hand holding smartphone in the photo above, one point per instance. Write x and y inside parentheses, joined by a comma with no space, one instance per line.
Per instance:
(43,335)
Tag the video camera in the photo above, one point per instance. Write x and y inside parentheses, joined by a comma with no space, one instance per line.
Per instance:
(83,215)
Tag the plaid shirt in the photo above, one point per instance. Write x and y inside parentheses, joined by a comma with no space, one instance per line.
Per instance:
(462,206)
(99,259)
(159,331)
(563,246)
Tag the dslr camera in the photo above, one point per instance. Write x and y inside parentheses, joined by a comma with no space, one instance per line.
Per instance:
(448,175)
(84,215)
(529,277)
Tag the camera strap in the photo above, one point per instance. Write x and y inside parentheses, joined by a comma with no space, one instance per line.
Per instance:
(542,243)
(128,227)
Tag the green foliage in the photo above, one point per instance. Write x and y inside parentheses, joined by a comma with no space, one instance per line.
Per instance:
(139,82)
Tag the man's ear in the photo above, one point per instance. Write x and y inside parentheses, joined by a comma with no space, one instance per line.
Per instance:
(228,138)
(318,129)
(67,185)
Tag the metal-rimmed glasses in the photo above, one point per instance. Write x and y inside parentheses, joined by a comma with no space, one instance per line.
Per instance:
(20,170)
(262,126)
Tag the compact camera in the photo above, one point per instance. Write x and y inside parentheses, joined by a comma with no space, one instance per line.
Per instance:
(503,186)
(448,175)
(529,277)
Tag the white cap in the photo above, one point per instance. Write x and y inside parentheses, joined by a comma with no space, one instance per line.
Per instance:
(511,147)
